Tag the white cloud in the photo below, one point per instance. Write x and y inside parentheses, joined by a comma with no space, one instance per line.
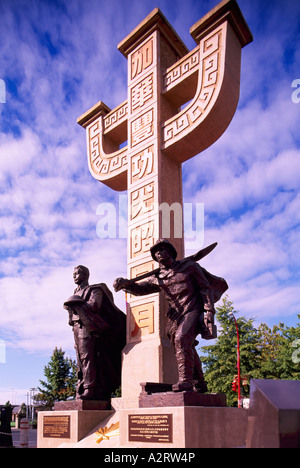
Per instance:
(261,182)
(36,319)
(17,155)
(257,255)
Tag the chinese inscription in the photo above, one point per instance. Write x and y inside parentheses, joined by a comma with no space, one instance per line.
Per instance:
(150,428)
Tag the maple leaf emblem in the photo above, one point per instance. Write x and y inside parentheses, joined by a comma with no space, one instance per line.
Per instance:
(104,433)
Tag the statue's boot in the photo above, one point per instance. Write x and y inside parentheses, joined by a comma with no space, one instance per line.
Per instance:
(185,373)
(88,394)
(199,383)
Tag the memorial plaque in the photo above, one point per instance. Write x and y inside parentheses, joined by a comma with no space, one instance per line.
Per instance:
(57,426)
(150,428)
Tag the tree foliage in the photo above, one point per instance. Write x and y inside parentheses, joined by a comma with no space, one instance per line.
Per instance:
(265,353)
(60,383)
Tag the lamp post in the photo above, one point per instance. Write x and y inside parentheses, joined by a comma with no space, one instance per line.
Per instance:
(32,390)
(238,359)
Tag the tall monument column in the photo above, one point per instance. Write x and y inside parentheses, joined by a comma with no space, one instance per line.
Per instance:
(153,182)
(179,103)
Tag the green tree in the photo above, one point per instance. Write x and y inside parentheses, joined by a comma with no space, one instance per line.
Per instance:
(220,359)
(265,353)
(61,379)
(279,356)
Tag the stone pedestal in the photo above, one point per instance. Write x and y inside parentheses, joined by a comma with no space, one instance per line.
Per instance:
(81,405)
(183,427)
(169,419)
(155,395)
(179,420)
(70,422)
(182,399)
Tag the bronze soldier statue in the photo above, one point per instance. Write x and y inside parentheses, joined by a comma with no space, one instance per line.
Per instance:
(99,329)
(191,292)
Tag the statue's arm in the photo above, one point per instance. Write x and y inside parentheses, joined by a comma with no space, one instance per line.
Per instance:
(138,289)
(95,299)
(91,304)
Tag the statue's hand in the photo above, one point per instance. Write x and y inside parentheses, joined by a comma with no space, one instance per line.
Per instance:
(209,317)
(120,283)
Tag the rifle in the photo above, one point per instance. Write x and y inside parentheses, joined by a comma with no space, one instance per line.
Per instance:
(195,257)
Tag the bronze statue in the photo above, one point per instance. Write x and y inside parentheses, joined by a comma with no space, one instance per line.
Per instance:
(191,292)
(99,329)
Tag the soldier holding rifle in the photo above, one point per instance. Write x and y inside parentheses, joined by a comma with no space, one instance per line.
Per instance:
(191,293)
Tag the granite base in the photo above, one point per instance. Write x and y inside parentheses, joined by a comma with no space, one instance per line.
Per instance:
(82,405)
(67,427)
(183,427)
(160,394)
(182,399)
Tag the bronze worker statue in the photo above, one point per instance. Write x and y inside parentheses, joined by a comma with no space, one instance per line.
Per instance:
(99,329)
(191,292)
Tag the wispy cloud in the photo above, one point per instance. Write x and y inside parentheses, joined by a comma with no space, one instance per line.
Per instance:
(48,199)
(36,320)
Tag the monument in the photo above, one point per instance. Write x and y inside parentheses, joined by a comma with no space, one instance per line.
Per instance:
(179,103)
(162,77)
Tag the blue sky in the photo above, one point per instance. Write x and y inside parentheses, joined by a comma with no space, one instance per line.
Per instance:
(57,59)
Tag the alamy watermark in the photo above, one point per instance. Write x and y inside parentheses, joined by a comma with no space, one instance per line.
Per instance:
(296,353)
(176,221)
(296,93)
(2,92)
(2,352)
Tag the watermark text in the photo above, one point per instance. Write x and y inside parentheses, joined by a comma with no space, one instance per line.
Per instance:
(2,352)
(2,92)
(296,93)
(176,221)
(296,353)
